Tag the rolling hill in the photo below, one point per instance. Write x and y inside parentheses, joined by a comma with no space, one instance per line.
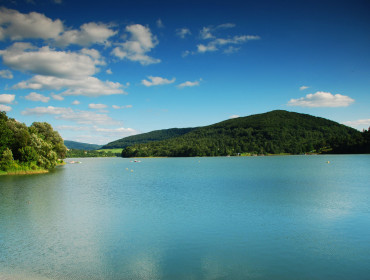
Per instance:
(157,135)
(273,132)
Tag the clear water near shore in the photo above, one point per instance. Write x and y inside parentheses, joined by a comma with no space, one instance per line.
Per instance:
(284,217)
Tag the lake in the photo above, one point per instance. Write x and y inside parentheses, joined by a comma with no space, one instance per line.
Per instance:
(281,217)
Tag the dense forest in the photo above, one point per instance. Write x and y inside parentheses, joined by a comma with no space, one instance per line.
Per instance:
(275,132)
(81,146)
(157,135)
(27,149)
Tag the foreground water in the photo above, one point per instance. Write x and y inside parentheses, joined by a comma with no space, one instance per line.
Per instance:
(295,217)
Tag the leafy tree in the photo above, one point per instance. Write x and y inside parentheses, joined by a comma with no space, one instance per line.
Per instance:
(28,154)
(6,134)
(46,132)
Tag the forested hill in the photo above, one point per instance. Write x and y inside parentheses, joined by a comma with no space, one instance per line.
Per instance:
(274,132)
(81,146)
(157,135)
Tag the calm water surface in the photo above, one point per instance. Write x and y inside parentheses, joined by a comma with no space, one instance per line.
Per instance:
(295,217)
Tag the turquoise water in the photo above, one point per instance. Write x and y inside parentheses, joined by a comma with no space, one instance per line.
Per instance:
(293,217)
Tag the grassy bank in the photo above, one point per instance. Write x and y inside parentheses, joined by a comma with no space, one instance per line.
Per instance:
(113,151)
(17,168)
(24,172)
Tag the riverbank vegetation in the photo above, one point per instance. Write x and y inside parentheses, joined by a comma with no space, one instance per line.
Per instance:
(275,132)
(25,150)
(76,153)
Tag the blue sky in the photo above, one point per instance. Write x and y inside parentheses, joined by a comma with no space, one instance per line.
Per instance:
(102,70)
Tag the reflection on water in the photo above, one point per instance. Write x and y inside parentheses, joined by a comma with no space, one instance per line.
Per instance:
(191,218)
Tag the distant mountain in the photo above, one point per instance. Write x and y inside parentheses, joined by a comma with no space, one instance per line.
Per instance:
(81,146)
(157,135)
(273,132)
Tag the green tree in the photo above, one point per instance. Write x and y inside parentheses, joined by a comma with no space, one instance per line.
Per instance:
(46,132)
(6,134)
(6,159)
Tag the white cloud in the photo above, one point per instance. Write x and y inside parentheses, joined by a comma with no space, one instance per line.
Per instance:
(60,70)
(7,98)
(159,23)
(80,117)
(50,110)
(89,33)
(189,84)
(5,108)
(218,43)
(94,54)
(76,102)
(97,106)
(88,86)
(45,61)
(85,117)
(183,32)
(57,97)
(34,96)
(6,74)
(322,99)
(72,127)
(99,135)
(205,33)
(215,43)
(109,71)
(121,107)
(234,117)
(156,81)
(359,124)
(203,48)
(303,87)
(141,42)
(18,26)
